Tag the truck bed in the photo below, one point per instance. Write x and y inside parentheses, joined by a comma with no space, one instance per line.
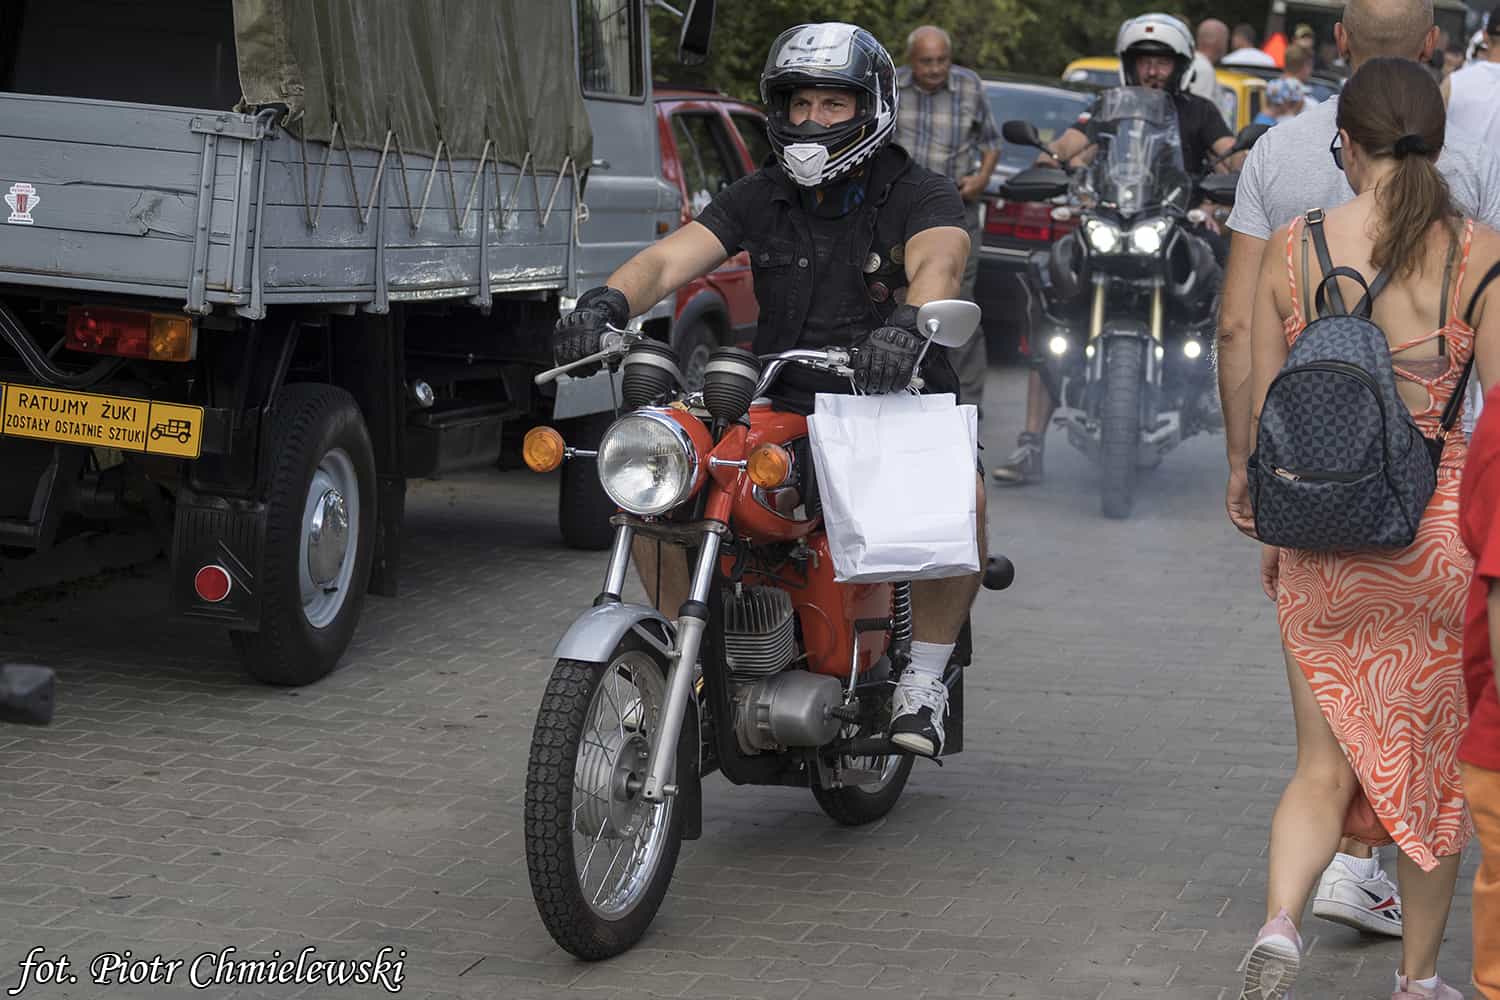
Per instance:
(221,209)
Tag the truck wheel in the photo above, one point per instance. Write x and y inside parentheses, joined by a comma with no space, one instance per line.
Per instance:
(694,345)
(320,533)
(583,508)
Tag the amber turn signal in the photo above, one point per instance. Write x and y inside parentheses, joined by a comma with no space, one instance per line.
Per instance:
(769,466)
(171,338)
(542,449)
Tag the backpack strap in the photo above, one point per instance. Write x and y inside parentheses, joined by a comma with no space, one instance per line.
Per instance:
(1326,293)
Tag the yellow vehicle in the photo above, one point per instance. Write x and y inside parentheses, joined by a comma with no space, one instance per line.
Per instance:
(1242,93)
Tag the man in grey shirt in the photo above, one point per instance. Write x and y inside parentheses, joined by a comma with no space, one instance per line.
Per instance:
(1288,172)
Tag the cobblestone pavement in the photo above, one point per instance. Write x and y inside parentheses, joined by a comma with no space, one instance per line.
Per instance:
(1103,836)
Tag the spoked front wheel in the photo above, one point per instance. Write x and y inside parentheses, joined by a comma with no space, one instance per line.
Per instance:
(600,856)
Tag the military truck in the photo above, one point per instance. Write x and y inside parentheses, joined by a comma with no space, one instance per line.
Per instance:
(264,261)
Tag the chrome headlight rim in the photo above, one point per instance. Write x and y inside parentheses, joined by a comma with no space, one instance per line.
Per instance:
(1104,237)
(1142,235)
(660,418)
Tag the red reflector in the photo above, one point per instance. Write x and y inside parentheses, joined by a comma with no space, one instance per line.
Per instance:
(124,333)
(212,583)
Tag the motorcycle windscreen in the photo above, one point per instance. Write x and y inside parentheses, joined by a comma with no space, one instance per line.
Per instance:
(1138,164)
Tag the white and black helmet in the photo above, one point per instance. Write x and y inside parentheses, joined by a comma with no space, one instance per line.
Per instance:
(828,55)
(1154,34)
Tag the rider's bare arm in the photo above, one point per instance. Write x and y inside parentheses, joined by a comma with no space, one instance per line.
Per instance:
(666,266)
(935,260)
(1070,147)
(1223,146)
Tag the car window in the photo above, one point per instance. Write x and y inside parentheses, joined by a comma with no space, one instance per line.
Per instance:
(1051,111)
(707,164)
(753,131)
(610,57)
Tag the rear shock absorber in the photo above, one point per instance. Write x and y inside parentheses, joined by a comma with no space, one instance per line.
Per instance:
(901,628)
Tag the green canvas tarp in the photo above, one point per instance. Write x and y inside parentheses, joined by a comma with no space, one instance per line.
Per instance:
(459,71)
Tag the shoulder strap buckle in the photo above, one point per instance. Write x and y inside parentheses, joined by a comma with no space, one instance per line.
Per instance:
(1314,216)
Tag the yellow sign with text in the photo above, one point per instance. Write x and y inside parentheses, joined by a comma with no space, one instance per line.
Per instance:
(87,418)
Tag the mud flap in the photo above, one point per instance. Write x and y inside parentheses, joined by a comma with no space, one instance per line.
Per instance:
(219,531)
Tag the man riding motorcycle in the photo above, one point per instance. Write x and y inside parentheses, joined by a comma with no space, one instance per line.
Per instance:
(846,238)
(1155,51)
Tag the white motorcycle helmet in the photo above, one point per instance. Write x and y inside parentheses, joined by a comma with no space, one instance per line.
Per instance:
(1157,34)
(828,55)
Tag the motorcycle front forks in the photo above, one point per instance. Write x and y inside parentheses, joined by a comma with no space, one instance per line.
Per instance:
(692,621)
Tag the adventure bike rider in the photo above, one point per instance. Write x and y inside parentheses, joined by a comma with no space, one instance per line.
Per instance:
(846,238)
(1155,51)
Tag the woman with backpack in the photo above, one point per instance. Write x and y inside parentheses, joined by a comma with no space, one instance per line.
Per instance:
(1370,585)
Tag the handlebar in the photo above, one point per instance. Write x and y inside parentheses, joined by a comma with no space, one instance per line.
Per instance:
(615,343)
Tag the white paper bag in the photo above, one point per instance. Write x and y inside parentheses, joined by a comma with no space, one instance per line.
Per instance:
(896,477)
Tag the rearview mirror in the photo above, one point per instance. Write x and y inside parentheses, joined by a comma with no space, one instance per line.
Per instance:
(697,29)
(1021,134)
(948,322)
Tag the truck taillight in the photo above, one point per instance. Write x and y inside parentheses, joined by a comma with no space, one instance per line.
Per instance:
(132,333)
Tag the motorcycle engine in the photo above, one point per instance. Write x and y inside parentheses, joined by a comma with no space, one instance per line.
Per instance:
(760,635)
(774,707)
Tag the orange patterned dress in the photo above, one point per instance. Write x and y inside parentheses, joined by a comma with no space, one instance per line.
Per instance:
(1378,634)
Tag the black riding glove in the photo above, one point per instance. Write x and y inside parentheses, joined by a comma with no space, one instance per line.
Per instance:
(577,334)
(887,359)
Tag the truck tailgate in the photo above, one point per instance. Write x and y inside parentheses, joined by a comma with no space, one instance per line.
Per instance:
(128,198)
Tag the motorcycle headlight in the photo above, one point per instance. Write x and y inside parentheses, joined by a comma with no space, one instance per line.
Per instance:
(647,463)
(1148,237)
(1103,237)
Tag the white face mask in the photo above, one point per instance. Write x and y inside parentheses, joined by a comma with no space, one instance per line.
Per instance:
(805,161)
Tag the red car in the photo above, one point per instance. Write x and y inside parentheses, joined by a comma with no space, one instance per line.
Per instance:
(709,141)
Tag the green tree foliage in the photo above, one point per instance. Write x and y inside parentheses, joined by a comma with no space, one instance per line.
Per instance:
(1026,36)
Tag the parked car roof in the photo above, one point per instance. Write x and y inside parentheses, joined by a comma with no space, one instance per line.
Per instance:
(675,92)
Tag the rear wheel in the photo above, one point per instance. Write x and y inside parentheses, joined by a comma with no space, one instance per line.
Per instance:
(319,537)
(1120,424)
(856,805)
(599,855)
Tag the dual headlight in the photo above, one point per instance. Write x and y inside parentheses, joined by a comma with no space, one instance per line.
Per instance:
(1143,238)
(647,463)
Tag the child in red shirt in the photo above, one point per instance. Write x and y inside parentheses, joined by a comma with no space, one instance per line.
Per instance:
(1479,754)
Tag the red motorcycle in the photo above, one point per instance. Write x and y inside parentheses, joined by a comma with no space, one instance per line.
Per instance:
(772,673)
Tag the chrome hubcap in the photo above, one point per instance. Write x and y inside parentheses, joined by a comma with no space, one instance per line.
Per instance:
(330,538)
(327,538)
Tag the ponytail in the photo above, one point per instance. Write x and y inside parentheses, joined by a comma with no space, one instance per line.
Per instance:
(1411,201)
(1392,108)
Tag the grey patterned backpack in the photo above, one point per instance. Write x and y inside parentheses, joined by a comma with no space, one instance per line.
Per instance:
(1339,463)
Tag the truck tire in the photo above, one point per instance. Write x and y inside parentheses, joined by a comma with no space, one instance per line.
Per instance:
(583,508)
(694,343)
(1120,424)
(319,537)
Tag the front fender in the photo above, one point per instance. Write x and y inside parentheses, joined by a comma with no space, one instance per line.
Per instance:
(593,636)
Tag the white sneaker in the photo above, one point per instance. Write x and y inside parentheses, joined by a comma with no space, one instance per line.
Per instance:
(917,711)
(1366,904)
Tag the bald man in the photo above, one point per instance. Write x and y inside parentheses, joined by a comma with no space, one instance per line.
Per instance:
(1213,39)
(943,120)
(1289,172)
(1210,44)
